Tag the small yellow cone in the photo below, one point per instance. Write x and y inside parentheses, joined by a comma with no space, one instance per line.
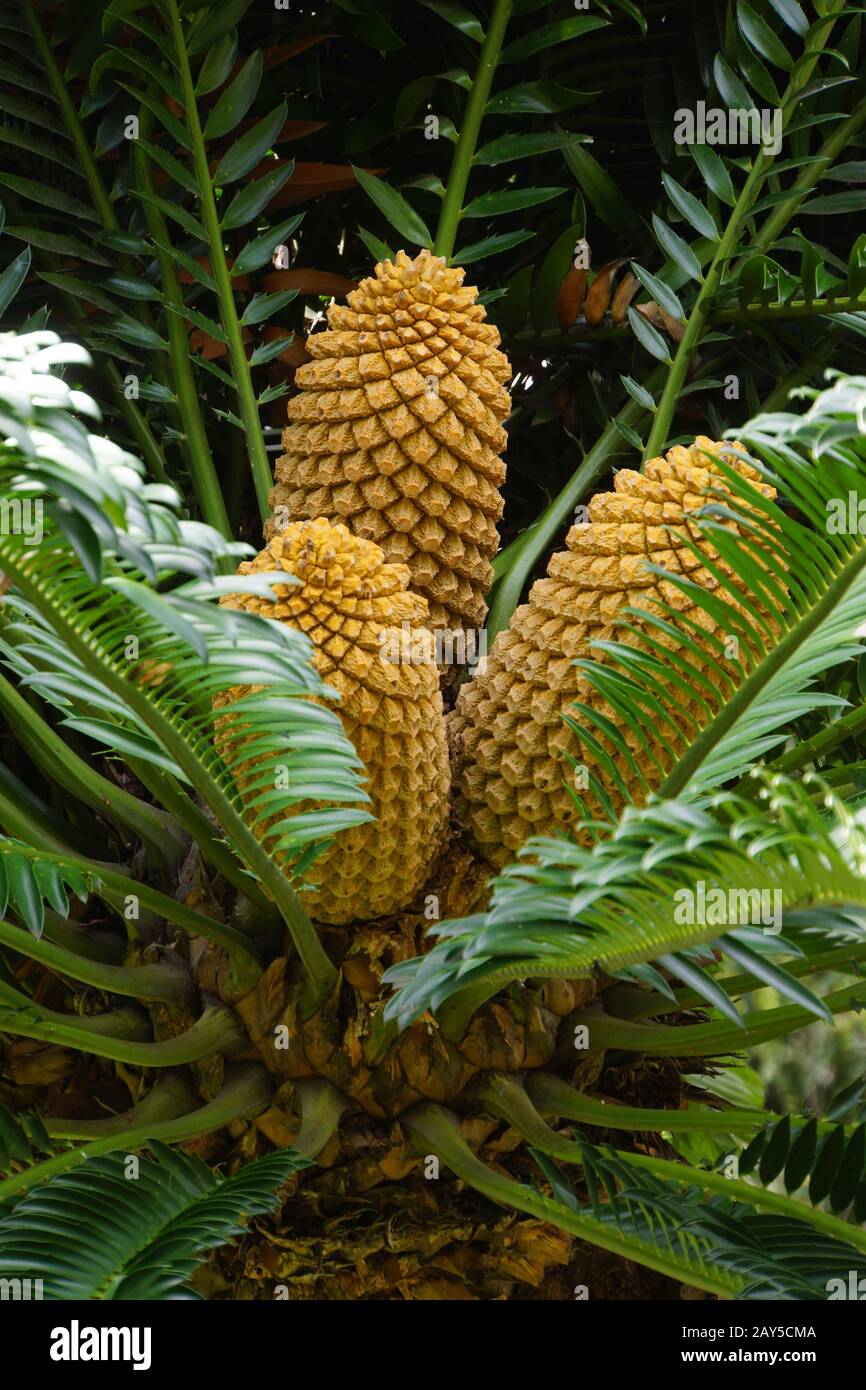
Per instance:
(371,645)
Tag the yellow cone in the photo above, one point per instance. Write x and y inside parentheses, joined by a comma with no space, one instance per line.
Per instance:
(397,431)
(512,772)
(371,645)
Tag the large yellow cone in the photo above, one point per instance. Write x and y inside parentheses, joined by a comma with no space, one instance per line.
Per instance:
(397,431)
(512,770)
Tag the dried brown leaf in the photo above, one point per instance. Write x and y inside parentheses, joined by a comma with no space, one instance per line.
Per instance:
(569,301)
(625,293)
(600,292)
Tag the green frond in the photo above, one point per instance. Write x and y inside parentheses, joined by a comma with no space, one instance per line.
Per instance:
(788,597)
(831,1159)
(636,897)
(760,1255)
(549,1091)
(805,932)
(616,1174)
(505,1097)
(112,560)
(649,1227)
(716,1037)
(160,64)
(141,1225)
(34,877)
(183,677)
(122,1034)
(23,1138)
(691,1224)
(29,880)
(171,1112)
(162,835)
(655,1243)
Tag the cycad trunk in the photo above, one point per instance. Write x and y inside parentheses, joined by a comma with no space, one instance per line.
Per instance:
(377,1218)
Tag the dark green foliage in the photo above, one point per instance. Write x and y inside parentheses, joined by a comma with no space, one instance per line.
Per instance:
(830,1158)
(22,1138)
(143,1225)
(764,1256)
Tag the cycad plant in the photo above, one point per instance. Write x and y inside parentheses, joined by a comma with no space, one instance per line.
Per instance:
(250,905)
